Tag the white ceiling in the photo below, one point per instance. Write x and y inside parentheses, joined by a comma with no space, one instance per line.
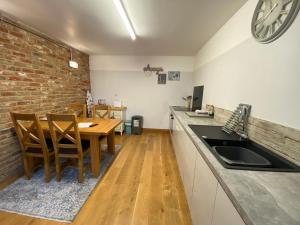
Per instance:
(163,27)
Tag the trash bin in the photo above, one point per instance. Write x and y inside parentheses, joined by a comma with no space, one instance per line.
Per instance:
(128,127)
(137,125)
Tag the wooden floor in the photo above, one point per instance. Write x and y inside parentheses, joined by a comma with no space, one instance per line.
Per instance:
(142,186)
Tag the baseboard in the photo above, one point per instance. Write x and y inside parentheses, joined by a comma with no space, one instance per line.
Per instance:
(7,181)
(153,130)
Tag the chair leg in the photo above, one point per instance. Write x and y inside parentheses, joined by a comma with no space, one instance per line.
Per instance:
(58,168)
(47,169)
(81,170)
(28,166)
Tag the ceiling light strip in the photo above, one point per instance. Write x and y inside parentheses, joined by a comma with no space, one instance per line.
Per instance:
(124,16)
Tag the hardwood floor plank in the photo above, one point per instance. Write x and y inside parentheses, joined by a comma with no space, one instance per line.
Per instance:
(170,194)
(106,191)
(128,182)
(178,185)
(142,187)
(140,214)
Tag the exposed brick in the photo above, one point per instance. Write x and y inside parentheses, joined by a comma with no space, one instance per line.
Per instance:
(3,29)
(19,54)
(34,77)
(17,34)
(7,93)
(4,40)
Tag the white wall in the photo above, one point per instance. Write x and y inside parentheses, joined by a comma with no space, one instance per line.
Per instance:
(234,68)
(121,77)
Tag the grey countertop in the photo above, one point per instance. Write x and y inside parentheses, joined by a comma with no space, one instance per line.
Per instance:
(260,197)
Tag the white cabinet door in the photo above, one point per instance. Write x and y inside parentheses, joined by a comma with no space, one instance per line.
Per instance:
(179,148)
(204,193)
(175,137)
(188,157)
(185,152)
(224,212)
(173,133)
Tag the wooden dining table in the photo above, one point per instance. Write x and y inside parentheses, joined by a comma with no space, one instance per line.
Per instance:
(104,127)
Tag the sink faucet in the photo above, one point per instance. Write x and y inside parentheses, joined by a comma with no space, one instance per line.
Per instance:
(243,120)
(238,122)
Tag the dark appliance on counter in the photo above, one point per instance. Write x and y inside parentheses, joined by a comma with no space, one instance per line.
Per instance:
(197,98)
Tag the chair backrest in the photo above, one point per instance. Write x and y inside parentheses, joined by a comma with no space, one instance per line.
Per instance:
(29,131)
(64,132)
(78,108)
(101,111)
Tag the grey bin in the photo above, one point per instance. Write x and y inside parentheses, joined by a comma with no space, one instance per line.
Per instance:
(137,124)
(128,127)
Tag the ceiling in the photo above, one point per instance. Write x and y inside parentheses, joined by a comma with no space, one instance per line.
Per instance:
(163,27)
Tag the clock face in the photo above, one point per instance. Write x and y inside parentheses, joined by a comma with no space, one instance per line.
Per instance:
(272,18)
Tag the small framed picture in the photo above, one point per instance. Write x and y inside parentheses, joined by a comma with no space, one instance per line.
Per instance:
(162,78)
(174,75)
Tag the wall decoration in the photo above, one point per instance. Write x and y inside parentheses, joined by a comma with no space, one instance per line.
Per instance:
(162,78)
(272,18)
(174,75)
(149,70)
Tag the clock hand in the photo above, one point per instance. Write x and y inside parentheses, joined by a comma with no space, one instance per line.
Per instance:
(261,20)
(269,13)
(262,27)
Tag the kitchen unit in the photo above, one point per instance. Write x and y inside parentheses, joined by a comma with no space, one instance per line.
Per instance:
(202,189)
(221,196)
(119,113)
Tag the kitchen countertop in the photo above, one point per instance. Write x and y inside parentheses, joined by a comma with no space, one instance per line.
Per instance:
(260,197)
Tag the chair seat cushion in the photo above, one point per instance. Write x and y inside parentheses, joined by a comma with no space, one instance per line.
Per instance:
(84,143)
(39,150)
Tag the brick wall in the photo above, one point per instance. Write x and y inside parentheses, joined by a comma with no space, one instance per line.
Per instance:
(34,77)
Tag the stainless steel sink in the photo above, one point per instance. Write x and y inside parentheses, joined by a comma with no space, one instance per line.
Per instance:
(240,156)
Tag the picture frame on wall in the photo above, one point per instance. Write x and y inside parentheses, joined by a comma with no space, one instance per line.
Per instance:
(162,78)
(174,75)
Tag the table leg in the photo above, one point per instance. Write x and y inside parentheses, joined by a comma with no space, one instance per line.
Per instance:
(111,142)
(95,155)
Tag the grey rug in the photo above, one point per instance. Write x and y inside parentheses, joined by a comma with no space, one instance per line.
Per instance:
(54,200)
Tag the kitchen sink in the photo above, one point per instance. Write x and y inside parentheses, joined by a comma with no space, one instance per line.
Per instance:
(240,156)
(234,152)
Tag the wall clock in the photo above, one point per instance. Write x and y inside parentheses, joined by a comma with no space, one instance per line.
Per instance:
(272,18)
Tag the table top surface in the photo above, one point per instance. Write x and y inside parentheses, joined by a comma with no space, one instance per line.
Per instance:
(103,127)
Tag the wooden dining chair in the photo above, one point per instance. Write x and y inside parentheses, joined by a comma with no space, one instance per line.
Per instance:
(78,108)
(67,142)
(101,111)
(33,142)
